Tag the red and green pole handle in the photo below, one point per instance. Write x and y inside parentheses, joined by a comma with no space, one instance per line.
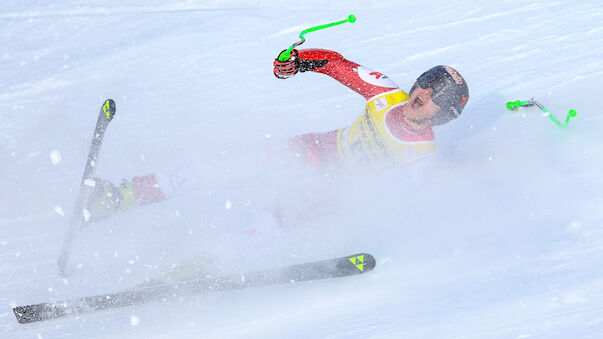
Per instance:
(285,55)
(514,105)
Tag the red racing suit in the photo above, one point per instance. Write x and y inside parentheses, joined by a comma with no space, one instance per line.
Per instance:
(380,134)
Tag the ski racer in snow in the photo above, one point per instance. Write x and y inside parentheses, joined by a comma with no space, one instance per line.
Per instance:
(395,128)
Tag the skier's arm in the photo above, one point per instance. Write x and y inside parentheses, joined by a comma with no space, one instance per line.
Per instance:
(358,78)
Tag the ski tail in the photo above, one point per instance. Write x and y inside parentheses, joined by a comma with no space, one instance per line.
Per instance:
(323,269)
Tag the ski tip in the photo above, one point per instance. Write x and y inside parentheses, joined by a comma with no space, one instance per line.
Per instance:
(109,108)
(363,262)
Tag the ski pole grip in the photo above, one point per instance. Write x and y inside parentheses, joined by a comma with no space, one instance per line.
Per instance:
(285,55)
(514,105)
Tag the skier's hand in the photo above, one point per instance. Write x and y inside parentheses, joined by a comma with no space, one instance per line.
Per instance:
(288,68)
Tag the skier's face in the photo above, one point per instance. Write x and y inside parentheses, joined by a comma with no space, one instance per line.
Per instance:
(420,108)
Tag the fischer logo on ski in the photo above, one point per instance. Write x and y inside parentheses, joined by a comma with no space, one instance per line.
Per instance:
(109,108)
(358,261)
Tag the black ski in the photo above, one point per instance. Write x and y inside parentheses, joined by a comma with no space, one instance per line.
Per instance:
(78,218)
(324,269)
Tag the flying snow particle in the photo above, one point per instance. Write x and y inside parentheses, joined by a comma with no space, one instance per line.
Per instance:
(55,157)
(574,225)
(59,211)
(86,214)
(228,204)
(134,320)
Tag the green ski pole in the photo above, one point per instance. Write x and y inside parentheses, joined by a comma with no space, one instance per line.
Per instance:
(514,105)
(285,55)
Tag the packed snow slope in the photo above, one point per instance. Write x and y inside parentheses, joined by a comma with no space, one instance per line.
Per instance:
(501,236)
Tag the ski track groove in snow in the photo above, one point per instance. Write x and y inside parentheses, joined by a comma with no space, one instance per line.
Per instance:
(93,12)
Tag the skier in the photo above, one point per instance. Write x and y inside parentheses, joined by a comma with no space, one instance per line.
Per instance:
(395,128)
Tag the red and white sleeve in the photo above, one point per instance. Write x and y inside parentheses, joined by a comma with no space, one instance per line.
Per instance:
(360,79)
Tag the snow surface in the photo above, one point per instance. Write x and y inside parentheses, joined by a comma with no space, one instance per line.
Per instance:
(502,238)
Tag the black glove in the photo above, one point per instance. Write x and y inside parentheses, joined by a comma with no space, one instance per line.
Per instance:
(288,68)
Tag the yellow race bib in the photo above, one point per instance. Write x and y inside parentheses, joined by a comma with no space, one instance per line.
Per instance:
(369,140)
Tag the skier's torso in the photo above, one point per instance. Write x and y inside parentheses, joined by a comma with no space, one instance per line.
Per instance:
(381,135)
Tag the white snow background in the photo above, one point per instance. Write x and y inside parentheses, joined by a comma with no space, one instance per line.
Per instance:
(502,238)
